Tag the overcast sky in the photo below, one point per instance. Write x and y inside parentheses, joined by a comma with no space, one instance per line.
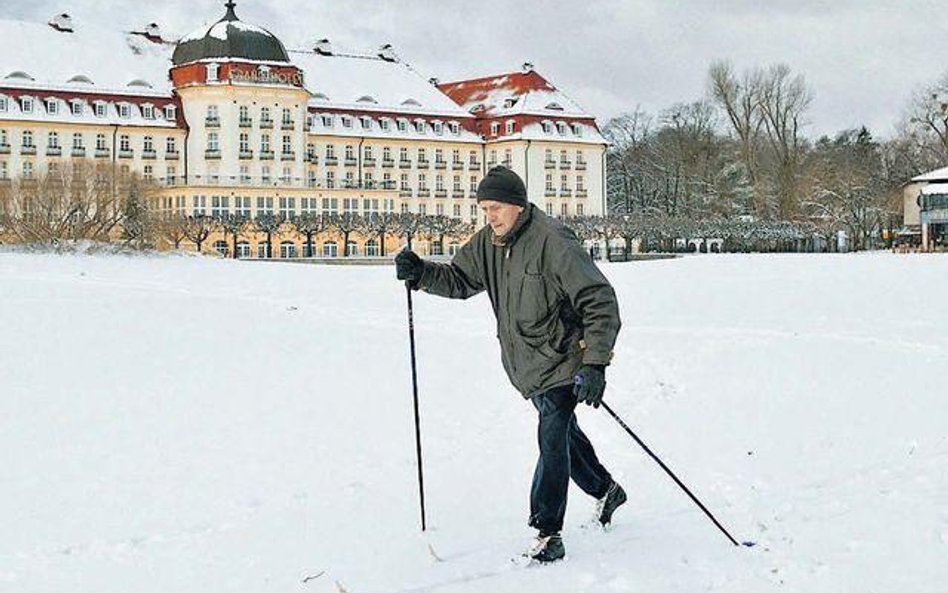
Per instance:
(862,59)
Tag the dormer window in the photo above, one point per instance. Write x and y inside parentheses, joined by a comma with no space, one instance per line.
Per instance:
(402,125)
(508,103)
(366,123)
(420,126)
(125,110)
(494,128)
(561,128)
(76,107)
(510,127)
(148,111)
(100,107)
(327,121)
(52,106)
(547,127)
(4,104)
(385,124)
(438,128)
(26,104)
(577,130)
(212,70)
(454,127)
(170,112)
(346,121)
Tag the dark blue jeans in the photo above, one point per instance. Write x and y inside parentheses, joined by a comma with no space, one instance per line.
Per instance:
(565,453)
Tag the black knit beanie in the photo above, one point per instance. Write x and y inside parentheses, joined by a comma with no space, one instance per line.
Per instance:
(502,185)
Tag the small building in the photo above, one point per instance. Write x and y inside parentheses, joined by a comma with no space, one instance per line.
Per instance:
(925,211)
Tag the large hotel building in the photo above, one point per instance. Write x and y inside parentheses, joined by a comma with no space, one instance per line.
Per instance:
(226,120)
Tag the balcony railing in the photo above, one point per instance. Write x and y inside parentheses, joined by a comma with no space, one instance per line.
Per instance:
(172,155)
(126,153)
(245,154)
(549,164)
(566,193)
(331,160)
(457,165)
(102,153)
(266,123)
(441,193)
(287,155)
(474,166)
(245,122)
(287,125)
(212,122)
(368,161)
(423,163)
(212,154)
(403,164)
(565,164)
(78,151)
(4,149)
(266,155)
(582,193)
(281,181)
(549,192)
(388,163)
(424,193)
(351,161)
(31,149)
(441,164)
(580,165)
(54,151)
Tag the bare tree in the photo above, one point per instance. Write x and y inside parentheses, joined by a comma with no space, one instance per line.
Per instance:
(378,226)
(269,224)
(310,224)
(198,228)
(233,225)
(171,227)
(344,225)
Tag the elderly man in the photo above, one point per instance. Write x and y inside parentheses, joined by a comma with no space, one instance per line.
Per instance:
(557,322)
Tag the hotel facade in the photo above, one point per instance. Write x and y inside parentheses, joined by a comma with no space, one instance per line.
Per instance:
(227,121)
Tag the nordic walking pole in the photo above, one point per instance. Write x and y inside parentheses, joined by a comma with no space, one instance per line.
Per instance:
(414,385)
(673,476)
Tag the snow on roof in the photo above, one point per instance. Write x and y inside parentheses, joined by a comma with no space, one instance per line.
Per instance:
(403,127)
(394,87)
(936,188)
(517,93)
(936,175)
(110,59)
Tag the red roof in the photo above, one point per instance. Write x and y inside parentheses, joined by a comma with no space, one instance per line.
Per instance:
(467,93)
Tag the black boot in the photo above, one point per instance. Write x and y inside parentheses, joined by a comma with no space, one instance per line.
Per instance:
(614,498)
(548,547)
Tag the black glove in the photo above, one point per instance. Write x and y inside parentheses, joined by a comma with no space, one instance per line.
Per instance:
(408,266)
(589,384)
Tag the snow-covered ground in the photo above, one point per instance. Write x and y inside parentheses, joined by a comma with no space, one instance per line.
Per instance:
(175,424)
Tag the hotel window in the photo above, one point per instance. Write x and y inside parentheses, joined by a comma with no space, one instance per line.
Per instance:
(346,121)
(27,138)
(579,182)
(549,209)
(579,209)
(402,125)
(264,206)
(124,143)
(439,155)
(439,182)
(26,104)
(169,175)
(549,182)
(265,143)
(100,108)
(125,111)
(287,144)
(494,128)
(265,174)
(508,158)
(403,154)
(455,128)
(76,107)
(3,170)
(564,182)
(52,140)
(244,113)
(149,144)
(510,127)
(148,173)
(212,113)
(170,145)
(384,124)
(547,127)
(457,183)
(100,141)
(169,112)
(422,181)
(3,137)
(52,106)
(148,112)
(27,170)
(4,104)
(366,123)
(330,151)
(368,152)
(327,121)
(386,154)
(473,183)
(330,179)
(287,174)
(244,142)
(421,155)
(403,185)
(287,116)
(438,127)
(420,126)
(561,128)
(350,152)
(422,209)
(564,210)
(577,130)
(213,142)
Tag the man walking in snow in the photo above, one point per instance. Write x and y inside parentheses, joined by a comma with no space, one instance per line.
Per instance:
(557,322)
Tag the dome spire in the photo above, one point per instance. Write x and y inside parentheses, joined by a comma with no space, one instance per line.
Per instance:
(231,15)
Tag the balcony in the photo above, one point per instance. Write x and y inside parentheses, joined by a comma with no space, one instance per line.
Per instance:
(266,124)
(212,122)
(368,161)
(78,151)
(245,155)
(403,164)
(388,163)
(101,153)
(566,193)
(149,154)
(266,155)
(441,164)
(351,161)
(441,193)
(4,149)
(28,149)
(126,153)
(457,194)
(212,154)
(565,164)
(404,193)
(423,163)
(549,164)
(287,155)
(245,122)
(457,166)
(313,159)
(172,155)
(474,166)
(580,165)
(54,151)
(549,192)
(287,125)
(331,160)
(582,193)
(424,192)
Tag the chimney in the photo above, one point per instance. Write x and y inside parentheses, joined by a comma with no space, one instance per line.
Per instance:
(153,32)
(62,22)
(527,67)
(434,81)
(323,47)
(387,53)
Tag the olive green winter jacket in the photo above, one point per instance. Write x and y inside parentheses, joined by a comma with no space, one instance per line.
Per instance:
(555,310)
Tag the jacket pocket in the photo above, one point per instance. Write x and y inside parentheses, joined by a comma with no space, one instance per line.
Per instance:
(534,303)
